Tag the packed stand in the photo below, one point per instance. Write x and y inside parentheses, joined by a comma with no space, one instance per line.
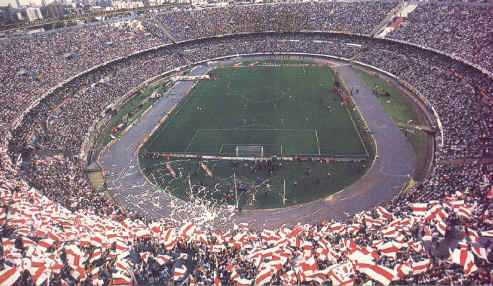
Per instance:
(355,17)
(65,233)
(461,29)
(425,242)
(60,123)
(33,64)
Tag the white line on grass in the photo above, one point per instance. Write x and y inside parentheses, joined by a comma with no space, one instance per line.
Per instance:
(191,140)
(318,141)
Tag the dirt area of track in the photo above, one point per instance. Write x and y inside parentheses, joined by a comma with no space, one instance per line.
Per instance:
(394,163)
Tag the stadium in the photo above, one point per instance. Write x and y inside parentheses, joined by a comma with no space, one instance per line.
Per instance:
(314,143)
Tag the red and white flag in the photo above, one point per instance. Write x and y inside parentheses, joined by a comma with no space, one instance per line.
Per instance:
(39,272)
(289,278)
(295,232)
(388,249)
(163,259)
(264,277)
(383,213)
(419,209)
(187,230)
(401,271)
(326,254)
(341,274)
(376,272)
(120,279)
(363,254)
(74,256)
(155,229)
(308,266)
(421,266)
(465,258)
(318,276)
(243,282)
(336,227)
(479,251)
(9,276)
(180,273)
(168,238)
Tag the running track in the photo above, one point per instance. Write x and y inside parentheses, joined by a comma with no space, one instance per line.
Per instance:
(394,162)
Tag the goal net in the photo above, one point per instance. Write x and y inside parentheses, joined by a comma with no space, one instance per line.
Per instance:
(249,151)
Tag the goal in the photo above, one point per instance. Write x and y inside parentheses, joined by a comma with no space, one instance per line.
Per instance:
(249,151)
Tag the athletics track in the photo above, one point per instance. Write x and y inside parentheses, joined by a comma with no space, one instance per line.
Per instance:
(394,163)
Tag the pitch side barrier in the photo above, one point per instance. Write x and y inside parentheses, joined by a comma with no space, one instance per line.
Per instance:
(264,54)
(341,158)
(15,124)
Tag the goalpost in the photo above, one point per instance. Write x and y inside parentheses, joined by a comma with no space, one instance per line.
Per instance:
(249,151)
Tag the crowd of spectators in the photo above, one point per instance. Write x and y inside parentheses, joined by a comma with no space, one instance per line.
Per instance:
(354,17)
(458,28)
(62,232)
(33,64)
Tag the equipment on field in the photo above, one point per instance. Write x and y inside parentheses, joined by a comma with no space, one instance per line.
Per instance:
(249,151)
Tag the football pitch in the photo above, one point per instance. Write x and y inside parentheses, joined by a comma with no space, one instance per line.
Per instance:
(276,111)
(283,110)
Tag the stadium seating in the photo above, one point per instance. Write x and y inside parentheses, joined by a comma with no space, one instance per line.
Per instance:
(56,228)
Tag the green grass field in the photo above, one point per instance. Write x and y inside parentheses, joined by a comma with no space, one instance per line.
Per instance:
(288,110)
(305,181)
(130,111)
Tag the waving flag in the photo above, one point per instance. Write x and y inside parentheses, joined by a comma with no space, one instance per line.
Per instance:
(264,277)
(401,271)
(74,256)
(420,267)
(180,273)
(163,259)
(186,230)
(155,229)
(383,213)
(120,279)
(376,272)
(419,209)
(295,232)
(318,276)
(326,254)
(9,276)
(479,251)
(243,282)
(336,227)
(308,267)
(340,274)
(168,238)
(388,249)
(465,258)
(38,270)
(289,278)
(363,254)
